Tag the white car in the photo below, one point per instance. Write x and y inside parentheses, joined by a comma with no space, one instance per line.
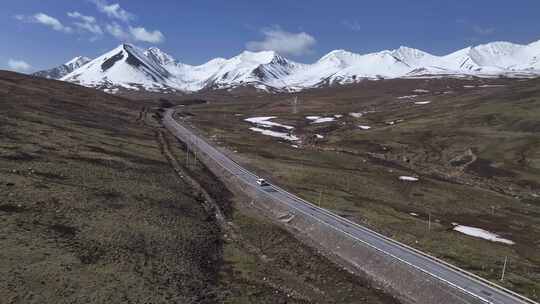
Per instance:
(261,182)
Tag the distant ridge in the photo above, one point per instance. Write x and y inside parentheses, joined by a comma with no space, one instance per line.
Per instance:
(64,69)
(128,67)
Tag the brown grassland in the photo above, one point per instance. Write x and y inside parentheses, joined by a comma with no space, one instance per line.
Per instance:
(91,211)
(475,149)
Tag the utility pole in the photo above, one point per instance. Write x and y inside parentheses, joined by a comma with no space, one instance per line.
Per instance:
(504,268)
(187,153)
(187,156)
(295,105)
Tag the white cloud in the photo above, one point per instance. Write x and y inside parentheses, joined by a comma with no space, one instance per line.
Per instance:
(114,10)
(126,32)
(477,29)
(77,15)
(141,34)
(283,42)
(483,30)
(19,65)
(352,25)
(134,33)
(86,23)
(117,31)
(90,27)
(46,20)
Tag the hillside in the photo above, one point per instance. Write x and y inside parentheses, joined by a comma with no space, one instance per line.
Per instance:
(98,206)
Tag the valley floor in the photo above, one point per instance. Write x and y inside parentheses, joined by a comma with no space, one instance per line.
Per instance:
(451,167)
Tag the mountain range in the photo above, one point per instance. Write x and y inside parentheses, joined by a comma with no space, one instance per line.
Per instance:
(128,67)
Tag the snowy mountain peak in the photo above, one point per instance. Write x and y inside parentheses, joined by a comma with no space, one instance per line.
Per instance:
(338,55)
(159,56)
(406,53)
(496,52)
(252,68)
(498,47)
(414,58)
(125,66)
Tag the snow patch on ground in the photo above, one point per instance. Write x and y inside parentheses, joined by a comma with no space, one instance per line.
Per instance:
(318,119)
(413,214)
(324,119)
(364,127)
(393,122)
(111,91)
(319,136)
(420,91)
(338,116)
(281,135)
(265,122)
(407,97)
(356,114)
(408,178)
(422,102)
(483,234)
(492,86)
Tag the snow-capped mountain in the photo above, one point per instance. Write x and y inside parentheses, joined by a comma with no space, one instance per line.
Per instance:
(127,67)
(259,69)
(159,56)
(131,68)
(414,58)
(496,58)
(340,66)
(64,69)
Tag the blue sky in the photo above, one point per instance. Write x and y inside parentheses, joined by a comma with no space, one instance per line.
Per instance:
(39,34)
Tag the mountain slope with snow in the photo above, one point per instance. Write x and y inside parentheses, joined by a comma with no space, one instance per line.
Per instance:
(126,66)
(261,68)
(340,66)
(64,69)
(129,67)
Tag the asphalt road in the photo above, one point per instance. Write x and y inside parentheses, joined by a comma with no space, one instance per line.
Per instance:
(458,280)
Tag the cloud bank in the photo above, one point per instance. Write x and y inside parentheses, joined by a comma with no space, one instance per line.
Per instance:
(19,65)
(283,42)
